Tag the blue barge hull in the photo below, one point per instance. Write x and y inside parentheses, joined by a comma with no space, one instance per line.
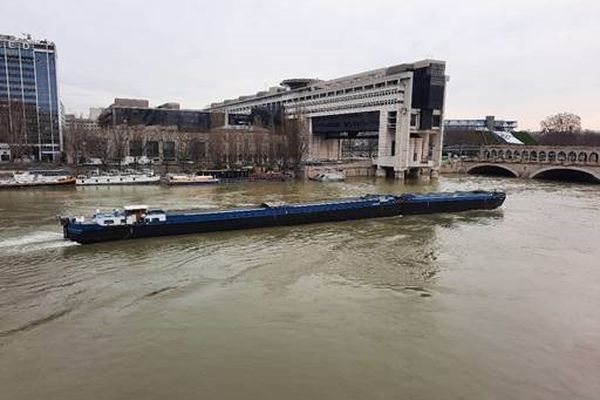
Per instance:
(370,206)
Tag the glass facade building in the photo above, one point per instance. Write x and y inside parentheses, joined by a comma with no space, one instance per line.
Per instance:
(29,102)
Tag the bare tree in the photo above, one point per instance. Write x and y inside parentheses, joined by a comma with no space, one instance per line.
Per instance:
(119,142)
(258,142)
(216,148)
(98,146)
(296,142)
(197,149)
(17,134)
(247,154)
(76,136)
(561,123)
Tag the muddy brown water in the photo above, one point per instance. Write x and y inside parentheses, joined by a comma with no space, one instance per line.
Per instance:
(478,305)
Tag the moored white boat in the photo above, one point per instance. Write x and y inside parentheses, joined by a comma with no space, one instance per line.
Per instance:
(190,179)
(118,178)
(328,176)
(34,178)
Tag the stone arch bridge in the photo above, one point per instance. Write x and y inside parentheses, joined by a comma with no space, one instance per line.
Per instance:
(541,162)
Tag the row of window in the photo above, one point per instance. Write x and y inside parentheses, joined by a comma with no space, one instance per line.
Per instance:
(310,105)
(353,97)
(338,92)
(18,98)
(17,66)
(351,106)
(18,75)
(27,86)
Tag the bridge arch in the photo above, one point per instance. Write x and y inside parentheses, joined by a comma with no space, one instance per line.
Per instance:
(492,169)
(572,157)
(564,173)
(583,157)
(593,158)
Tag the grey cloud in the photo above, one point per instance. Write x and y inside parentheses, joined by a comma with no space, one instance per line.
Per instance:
(515,59)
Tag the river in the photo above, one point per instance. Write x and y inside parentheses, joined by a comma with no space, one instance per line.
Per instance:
(479,305)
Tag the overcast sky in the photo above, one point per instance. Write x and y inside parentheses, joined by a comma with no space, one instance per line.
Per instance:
(514,59)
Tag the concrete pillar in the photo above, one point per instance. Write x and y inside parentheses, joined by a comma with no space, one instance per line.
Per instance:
(403,124)
(333,149)
(384,141)
(418,150)
(425,147)
(399,175)
(313,140)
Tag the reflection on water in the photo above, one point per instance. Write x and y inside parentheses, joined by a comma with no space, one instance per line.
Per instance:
(471,305)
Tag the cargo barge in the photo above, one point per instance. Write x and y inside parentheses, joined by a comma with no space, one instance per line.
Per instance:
(135,222)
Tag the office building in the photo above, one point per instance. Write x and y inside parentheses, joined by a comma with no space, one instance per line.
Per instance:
(30,120)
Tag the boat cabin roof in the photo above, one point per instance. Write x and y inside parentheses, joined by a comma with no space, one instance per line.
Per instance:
(135,208)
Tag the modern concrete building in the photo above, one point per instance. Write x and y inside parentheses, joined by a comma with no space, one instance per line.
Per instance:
(402,106)
(72,121)
(30,120)
(90,122)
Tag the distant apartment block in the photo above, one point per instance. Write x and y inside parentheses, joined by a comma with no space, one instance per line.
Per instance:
(30,113)
(135,112)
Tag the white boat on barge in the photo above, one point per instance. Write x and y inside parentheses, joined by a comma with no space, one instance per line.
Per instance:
(118,178)
(35,178)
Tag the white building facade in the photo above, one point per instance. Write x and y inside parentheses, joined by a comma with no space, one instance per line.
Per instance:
(402,106)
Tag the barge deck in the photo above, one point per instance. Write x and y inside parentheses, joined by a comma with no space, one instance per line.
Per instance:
(139,221)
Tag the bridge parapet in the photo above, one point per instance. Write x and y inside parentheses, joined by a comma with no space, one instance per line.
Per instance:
(551,155)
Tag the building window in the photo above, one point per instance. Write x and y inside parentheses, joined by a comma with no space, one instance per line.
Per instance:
(135,148)
(169,151)
(436,121)
(152,149)
(413,119)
